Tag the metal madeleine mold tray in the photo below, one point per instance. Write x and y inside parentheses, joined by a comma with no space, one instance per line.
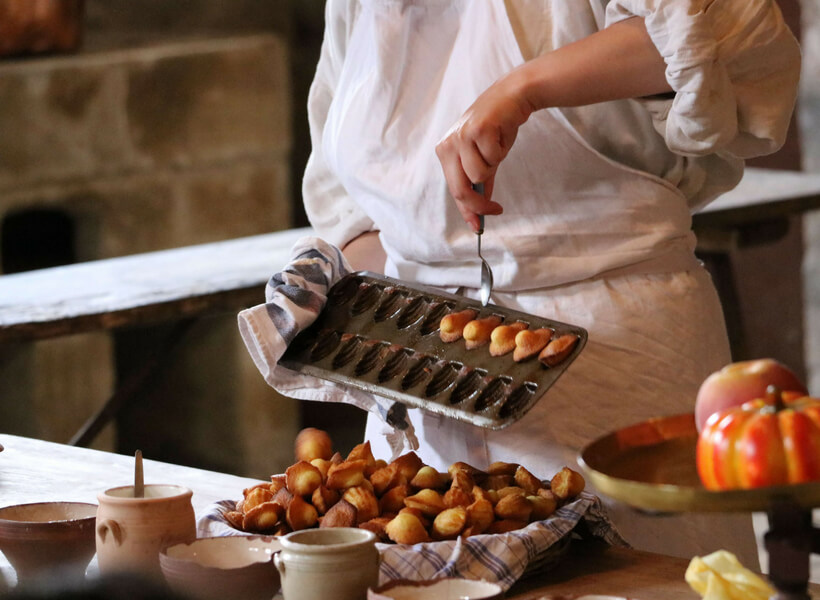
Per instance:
(381,335)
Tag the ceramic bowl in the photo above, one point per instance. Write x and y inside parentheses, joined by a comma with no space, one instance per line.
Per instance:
(223,567)
(58,536)
(447,588)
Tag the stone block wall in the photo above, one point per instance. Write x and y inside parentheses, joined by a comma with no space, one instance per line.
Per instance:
(156,143)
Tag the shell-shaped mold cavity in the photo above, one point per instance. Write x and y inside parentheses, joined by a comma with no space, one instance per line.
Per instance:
(412,312)
(390,305)
(394,365)
(344,291)
(443,378)
(467,387)
(367,298)
(372,357)
(326,343)
(418,372)
(433,318)
(492,394)
(348,351)
(517,400)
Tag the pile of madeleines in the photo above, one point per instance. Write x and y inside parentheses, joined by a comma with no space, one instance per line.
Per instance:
(404,501)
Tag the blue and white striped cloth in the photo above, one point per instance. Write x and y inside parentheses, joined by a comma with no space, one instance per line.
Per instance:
(294,297)
(503,558)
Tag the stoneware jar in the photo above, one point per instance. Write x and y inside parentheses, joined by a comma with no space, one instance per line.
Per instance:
(338,563)
(131,531)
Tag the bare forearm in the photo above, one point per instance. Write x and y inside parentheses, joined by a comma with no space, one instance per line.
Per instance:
(365,253)
(617,62)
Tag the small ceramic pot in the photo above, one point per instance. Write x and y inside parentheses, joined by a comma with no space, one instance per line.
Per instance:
(131,531)
(215,568)
(335,562)
(58,536)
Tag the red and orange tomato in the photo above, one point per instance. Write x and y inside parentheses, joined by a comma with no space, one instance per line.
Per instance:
(768,441)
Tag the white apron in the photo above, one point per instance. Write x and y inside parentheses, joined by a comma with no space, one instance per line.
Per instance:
(582,239)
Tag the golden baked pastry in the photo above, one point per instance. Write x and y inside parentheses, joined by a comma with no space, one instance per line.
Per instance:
(393,499)
(480,515)
(404,501)
(527,481)
(301,514)
(542,506)
(530,342)
(345,474)
(365,501)
(558,349)
(429,502)
(341,514)
(323,499)
(302,478)
(263,517)
(428,477)
(312,443)
(567,484)
(406,528)
(478,331)
(449,523)
(451,327)
(514,507)
(502,338)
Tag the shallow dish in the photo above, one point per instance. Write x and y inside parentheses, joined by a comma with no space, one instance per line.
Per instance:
(446,588)
(223,567)
(58,536)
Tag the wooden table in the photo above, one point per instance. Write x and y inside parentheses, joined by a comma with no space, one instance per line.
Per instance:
(34,470)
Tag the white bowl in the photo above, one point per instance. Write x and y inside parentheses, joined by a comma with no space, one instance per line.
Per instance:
(223,567)
(448,588)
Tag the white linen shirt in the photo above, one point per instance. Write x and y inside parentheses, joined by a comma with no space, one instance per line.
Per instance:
(733,65)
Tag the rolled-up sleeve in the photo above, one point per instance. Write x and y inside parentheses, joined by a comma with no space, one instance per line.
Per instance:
(334,215)
(734,66)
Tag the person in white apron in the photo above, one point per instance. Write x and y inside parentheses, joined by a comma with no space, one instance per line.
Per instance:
(597,202)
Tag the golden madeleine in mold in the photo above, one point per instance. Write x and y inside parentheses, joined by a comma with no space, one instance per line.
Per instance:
(502,338)
(558,349)
(530,342)
(451,327)
(478,331)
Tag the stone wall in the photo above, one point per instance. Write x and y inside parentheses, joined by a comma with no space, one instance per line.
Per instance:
(150,138)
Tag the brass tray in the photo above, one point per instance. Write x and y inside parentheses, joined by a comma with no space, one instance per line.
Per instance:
(651,466)
(381,335)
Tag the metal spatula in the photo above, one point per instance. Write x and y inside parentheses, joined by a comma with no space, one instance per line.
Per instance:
(486,271)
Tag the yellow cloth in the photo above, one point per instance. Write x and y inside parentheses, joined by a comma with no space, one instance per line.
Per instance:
(720,576)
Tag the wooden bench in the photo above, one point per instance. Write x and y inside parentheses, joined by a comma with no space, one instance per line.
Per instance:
(185,284)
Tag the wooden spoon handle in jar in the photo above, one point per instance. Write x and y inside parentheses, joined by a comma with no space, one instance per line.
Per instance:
(139,484)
